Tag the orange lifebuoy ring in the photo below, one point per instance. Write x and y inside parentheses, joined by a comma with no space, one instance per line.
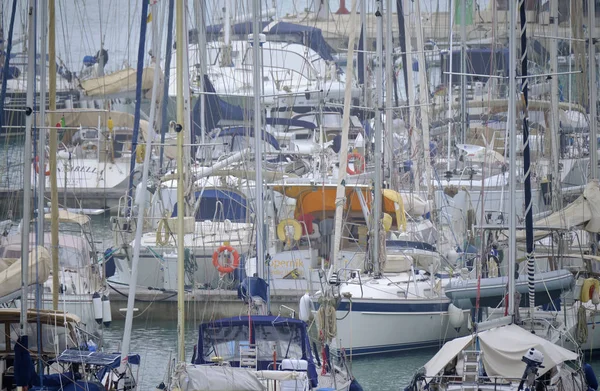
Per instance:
(37,166)
(358,168)
(226,269)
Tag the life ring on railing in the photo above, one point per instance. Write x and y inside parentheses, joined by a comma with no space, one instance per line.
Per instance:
(226,269)
(590,285)
(281,234)
(37,166)
(358,168)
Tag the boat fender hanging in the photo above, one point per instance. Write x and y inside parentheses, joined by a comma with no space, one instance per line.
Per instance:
(456,316)
(305,308)
(106,314)
(140,153)
(281,229)
(359,164)
(226,269)
(596,297)
(37,167)
(97,304)
(590,285)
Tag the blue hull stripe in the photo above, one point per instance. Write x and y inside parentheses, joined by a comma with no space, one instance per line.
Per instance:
(394,348)
(393,307)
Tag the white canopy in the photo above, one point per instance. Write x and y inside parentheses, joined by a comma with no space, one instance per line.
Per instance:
(216,377)
(10,276)
(446,354)
(584,211)
(502,348)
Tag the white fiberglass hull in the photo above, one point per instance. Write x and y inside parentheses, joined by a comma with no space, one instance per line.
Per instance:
(380,326)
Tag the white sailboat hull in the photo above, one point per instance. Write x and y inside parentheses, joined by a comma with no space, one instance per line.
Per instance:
(383,326)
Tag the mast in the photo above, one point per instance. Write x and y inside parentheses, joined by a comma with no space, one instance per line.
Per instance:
(169,51)
(7,60)
(555,129)
(53,151)
(512,120)
(201,26)
(389,81)
(139,228)
(450,101)
(27,171)
(340,194)
(414,136)
(424,102)
(257,83)
(593,91)
(180,39)
(527,160)
(138,100)
(377,185)
(42,130)
(463,70)
(362,63)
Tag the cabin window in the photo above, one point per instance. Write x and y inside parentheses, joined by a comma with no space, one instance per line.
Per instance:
(286,340)
(224,342)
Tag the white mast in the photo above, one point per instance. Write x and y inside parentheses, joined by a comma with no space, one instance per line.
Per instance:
(42,130)
(179,128)
(257,84)
(463,71)
(450,75)
(141,201)
(376,212)
(592,89)
(555,128)
(27,169)
(512,121)
(424,101)
(415,139)
(389,80)
(201,25)
(340,194)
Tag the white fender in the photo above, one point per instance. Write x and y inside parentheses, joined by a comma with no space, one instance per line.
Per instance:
(305,307)
(97,304)
(106,315)
(456,316)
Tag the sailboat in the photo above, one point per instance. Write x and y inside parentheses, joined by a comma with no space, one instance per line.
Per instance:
(257,351)
(501,354)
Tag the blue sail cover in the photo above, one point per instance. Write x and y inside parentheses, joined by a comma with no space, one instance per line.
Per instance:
(281,31)
(309,36)
(215,110)
(219,205)
(479,61)
(253,287)
(223,337)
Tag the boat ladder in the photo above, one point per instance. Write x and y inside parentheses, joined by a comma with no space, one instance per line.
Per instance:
(248,356)
(471,366)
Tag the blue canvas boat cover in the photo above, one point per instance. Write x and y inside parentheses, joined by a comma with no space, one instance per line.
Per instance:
(221,337)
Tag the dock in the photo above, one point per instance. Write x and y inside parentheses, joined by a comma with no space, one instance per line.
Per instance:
(200,305)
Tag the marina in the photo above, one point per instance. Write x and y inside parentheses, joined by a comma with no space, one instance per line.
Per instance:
(335,195)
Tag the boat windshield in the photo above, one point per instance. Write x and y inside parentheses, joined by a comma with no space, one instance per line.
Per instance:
(226,342)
